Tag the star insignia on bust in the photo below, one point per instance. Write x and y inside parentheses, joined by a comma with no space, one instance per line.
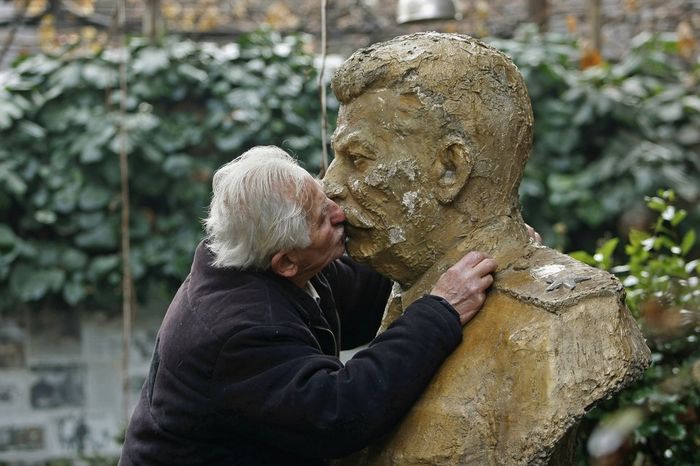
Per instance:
(567,281)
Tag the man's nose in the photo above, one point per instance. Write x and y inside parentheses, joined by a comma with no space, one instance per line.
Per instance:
(337,216)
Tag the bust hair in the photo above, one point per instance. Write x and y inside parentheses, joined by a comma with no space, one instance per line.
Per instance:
(257,209)
(473,89)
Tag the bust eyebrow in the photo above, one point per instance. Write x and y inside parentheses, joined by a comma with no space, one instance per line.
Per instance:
(353,143)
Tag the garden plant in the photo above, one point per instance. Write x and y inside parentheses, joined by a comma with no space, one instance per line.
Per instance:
(657,419)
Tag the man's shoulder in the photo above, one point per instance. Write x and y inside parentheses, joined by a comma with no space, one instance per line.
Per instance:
(223,301)
(555,281)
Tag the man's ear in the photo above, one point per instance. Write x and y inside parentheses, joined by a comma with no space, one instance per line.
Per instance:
(283,264)
(451,170)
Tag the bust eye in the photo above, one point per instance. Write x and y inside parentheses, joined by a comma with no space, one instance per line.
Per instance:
(357,160)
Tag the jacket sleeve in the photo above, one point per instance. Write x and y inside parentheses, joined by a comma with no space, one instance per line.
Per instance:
(360,295)
(277,388)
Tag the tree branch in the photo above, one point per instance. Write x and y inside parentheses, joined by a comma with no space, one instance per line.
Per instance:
(10,38)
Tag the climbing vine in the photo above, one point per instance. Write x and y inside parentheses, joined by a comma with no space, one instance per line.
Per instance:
(191,107)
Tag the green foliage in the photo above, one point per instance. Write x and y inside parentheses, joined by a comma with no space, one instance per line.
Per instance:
(190,108)
(603,137)
(83,460)
(607,135)
(663,293)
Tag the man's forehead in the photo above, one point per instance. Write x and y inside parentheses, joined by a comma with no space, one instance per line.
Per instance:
(315,196)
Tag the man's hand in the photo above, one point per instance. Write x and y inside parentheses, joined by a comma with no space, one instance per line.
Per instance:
(464,284)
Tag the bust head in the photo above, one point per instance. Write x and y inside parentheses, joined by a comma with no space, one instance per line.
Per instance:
(433,133)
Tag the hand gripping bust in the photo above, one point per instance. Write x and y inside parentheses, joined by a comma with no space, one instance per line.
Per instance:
(433,133)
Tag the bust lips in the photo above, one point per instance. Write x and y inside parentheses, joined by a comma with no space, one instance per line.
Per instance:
(354,218)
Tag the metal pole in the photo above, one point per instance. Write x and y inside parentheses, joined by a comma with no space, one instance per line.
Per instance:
(125,242)
(322,91)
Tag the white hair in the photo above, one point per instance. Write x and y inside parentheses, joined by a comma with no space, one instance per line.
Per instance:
(257,209)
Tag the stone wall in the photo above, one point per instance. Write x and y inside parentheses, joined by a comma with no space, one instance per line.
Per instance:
(61,383)
(356,23)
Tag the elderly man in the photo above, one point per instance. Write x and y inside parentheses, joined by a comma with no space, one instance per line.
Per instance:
(246,370)
(433,133)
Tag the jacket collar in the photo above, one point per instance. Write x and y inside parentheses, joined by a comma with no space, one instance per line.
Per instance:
(204,275)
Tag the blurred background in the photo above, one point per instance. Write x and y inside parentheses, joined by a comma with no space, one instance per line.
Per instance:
(114,114)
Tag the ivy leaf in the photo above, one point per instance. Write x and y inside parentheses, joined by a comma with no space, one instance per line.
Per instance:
(93,197)
(90,153)
(8,113)
(689,134)
(115,144)
(177,165)
(30,284)
(230,142)
(32,129)
(101,237)
(74,292)
(192,72)
(99,75)
(102,265)
(150,61)
(67,76)
(670,112)
(12,181)
(45,216)
(73,259)
(674,430)
(65,199)
(8,239)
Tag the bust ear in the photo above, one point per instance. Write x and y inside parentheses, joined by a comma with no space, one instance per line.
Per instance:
(451,170)
(283,264)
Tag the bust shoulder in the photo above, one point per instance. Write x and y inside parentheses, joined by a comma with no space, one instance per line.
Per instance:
(555,281)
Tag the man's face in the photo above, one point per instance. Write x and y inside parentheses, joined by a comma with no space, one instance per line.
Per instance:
(383,154)
(325,221)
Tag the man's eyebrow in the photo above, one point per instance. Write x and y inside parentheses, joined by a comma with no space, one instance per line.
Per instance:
(323,212)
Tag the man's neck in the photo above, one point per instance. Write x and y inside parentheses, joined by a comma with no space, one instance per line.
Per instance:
(504,239)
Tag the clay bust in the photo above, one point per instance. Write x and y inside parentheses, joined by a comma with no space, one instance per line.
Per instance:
(433,133)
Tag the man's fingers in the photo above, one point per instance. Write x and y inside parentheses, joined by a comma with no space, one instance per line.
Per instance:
(471,259)
(486,281)
(485,267)
(464,284)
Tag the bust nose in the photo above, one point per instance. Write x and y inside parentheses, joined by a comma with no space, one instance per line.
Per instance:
(334,190)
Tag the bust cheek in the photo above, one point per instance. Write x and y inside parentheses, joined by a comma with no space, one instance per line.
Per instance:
(396,235)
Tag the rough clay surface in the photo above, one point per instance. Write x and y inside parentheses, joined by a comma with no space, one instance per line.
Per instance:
(531,363)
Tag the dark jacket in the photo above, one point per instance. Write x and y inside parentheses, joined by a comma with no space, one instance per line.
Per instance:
(245,368)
